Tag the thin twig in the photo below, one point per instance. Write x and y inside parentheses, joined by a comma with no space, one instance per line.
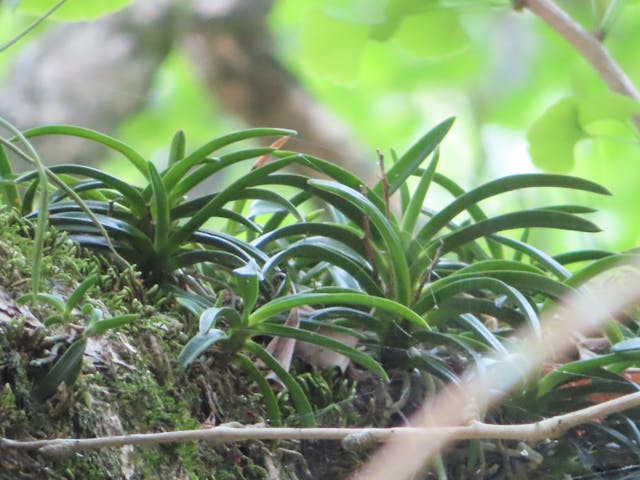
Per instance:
(385,184)
(31,27)
(587,45)
(352,437)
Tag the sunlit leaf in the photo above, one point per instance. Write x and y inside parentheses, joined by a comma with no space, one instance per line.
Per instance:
(554,135)
(73,10)
(433,34)
(607,104)
(332,47)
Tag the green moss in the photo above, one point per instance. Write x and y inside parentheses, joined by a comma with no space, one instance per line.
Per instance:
(136,380)
(12,418)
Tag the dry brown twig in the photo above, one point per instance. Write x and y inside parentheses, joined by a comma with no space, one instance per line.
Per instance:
(352,438)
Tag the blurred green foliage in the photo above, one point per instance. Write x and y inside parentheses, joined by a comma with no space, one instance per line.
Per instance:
(390,67)
(506,75)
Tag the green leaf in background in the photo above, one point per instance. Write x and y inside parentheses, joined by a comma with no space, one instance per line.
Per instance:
(433,34)
(553,136)
(331,47)
(355,11)
(607,104)
(73,10)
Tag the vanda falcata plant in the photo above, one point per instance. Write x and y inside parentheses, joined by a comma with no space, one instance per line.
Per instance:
(420,290)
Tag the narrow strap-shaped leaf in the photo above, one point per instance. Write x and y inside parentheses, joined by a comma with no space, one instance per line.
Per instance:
(326,252)
(197,220)
(599,266)
(426,362)
(503,185)
(177,149)
(581,367)
(410,161)
(323,341)
(160,209)
(229,243)
(198,344)
(248,278)
(397,260)
(100,327)
(79,292)
(366,320)
(458,305)
(179,169)
(466,285)
(334,297)
(300,400)
(107,209)
(539,256)
(474,210)
(188,208)
(207,169)
(577,256)
(522,281)
(492,265)
(52,299)
(342,176)
(412,212)
(134,157)
(66,369)
(9,190)
(270,400)
(133,196)
(473,325)
(511,221)
(217,257)
(342,233)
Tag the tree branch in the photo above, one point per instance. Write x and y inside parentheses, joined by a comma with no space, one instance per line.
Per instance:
(587,45)
(352,438)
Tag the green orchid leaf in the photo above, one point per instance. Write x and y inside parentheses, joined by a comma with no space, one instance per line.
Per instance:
(177,171)
(80,292)
(270,400)
(393,244)
(160,209)
(417,198)
(466,200)
(511,221)
(66,369)
(248,278)
(323,341)
(101,326)
(284,304)
(177,150)
(300,400)
(199,344)
(408,164)
(129,153)
(52,299)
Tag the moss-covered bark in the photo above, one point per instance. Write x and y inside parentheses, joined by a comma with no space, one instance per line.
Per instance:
(130,382)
